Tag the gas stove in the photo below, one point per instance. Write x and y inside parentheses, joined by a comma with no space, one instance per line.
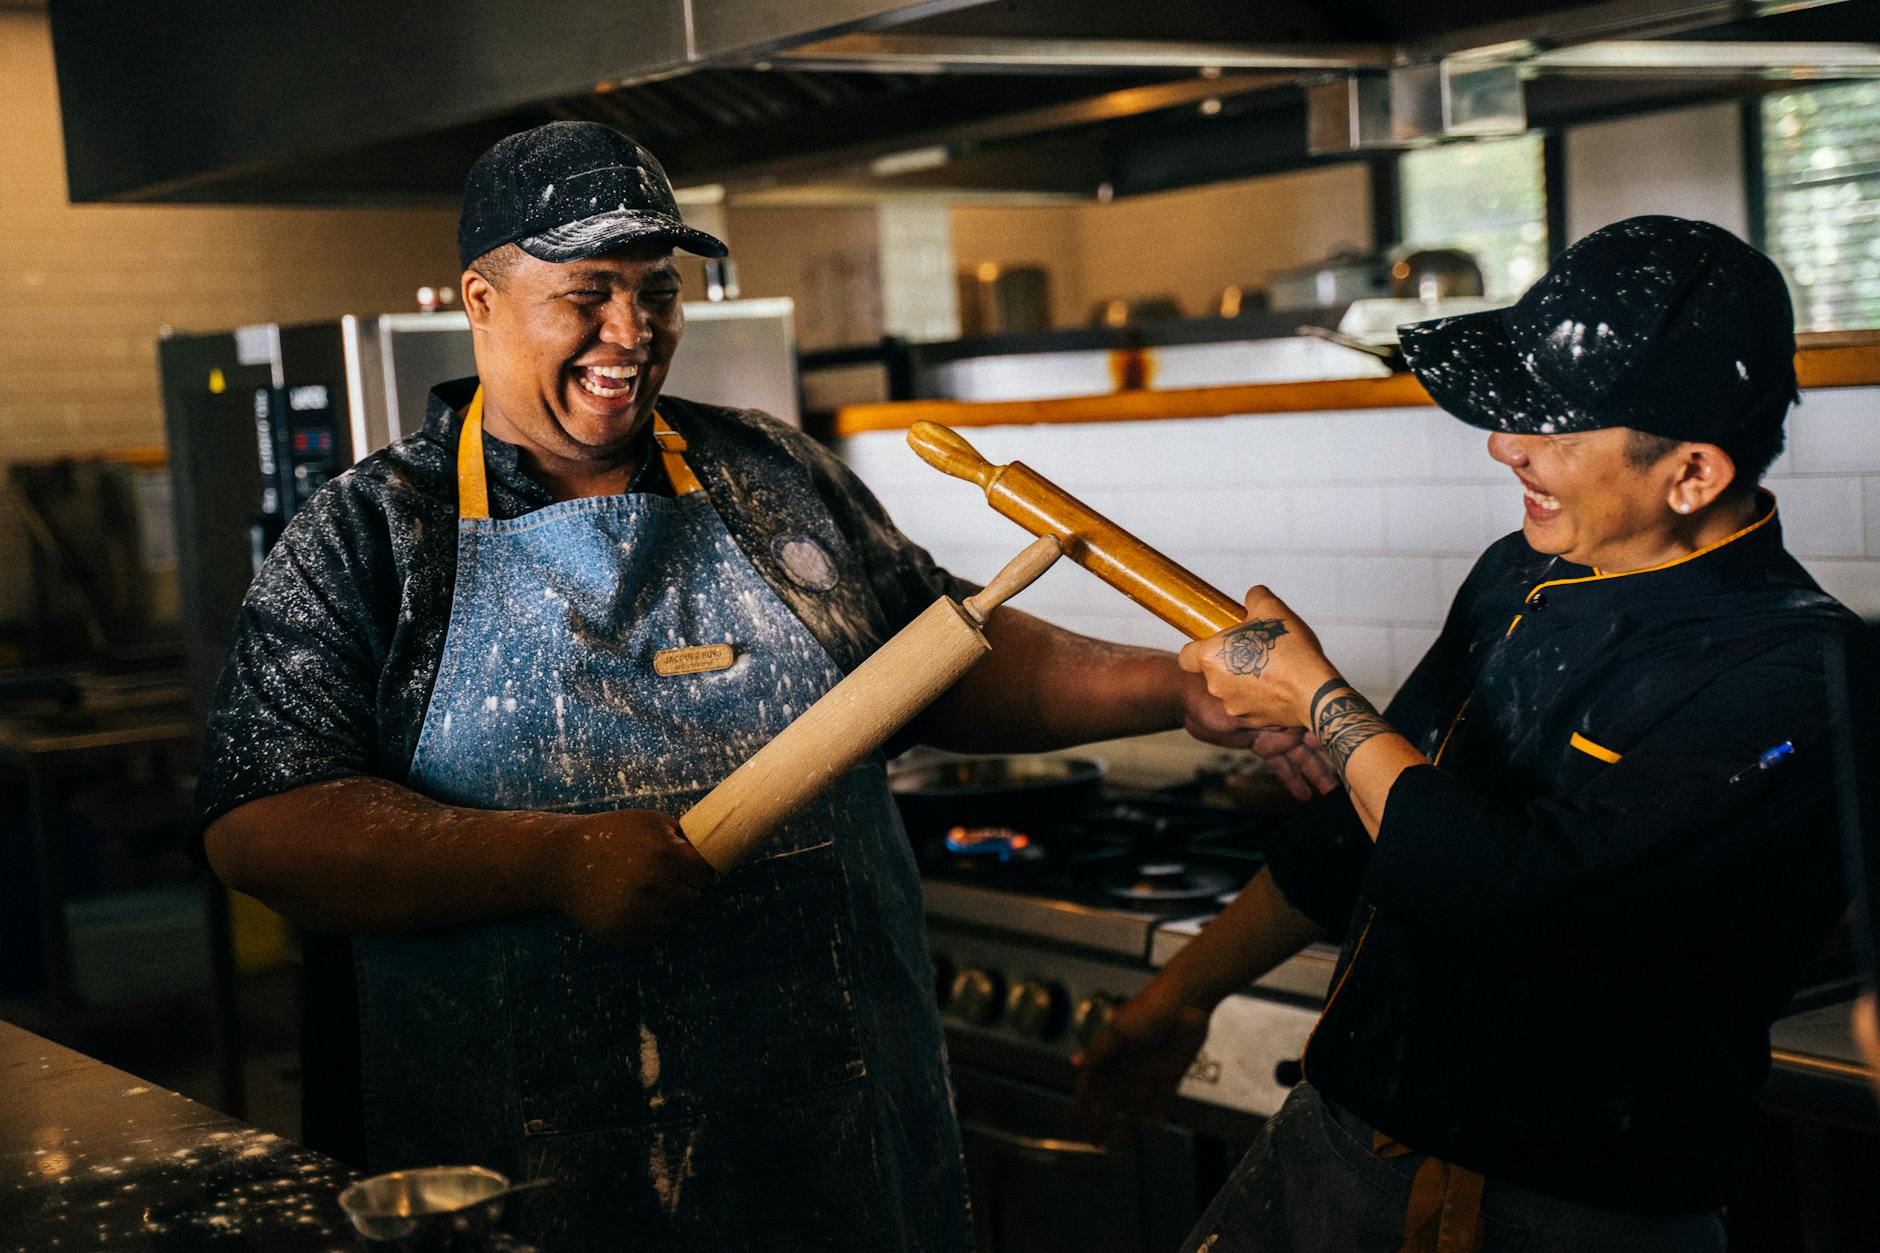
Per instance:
(1038,936)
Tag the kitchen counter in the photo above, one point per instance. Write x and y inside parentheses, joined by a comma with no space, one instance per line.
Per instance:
(1834,359)
(1818,1072)
(94,1158)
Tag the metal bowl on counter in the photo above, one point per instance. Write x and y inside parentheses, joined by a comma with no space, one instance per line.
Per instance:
(436,1209)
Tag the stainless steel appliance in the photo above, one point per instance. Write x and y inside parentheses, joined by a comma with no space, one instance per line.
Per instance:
(1037,937)
(1338,279)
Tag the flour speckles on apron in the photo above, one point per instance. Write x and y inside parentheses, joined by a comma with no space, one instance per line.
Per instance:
(768,1065)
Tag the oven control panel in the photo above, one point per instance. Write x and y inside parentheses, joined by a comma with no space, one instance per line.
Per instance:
(1055,1002)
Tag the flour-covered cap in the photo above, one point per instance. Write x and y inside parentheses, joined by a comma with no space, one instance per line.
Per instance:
(1661,324)
(567,191)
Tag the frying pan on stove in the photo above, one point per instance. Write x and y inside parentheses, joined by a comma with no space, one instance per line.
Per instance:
(1029,794)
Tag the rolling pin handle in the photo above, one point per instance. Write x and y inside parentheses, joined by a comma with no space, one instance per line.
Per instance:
(945,450)
(1019,573)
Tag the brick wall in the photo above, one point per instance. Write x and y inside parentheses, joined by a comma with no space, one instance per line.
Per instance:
(84,289)
(1364,521)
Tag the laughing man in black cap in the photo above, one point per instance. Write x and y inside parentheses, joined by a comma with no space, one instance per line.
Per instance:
(1582,857)
(481,673)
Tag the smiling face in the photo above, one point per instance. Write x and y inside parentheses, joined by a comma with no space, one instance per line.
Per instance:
(572,357)
(1588,501)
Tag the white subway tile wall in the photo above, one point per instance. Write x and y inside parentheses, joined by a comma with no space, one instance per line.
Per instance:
(1366,522)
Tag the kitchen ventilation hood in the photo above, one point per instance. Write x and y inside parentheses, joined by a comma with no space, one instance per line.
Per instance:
(357,101)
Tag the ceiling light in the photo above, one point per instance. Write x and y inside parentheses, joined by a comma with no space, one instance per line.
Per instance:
(909,161)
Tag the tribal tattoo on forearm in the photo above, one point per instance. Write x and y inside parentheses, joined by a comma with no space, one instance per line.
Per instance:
(1344,721)
(1248,647)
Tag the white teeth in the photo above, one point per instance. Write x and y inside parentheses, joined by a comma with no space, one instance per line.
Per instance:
(609,392)
(1545,502)
(591,376)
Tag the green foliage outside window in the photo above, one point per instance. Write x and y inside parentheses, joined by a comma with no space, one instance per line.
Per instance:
(1821,201)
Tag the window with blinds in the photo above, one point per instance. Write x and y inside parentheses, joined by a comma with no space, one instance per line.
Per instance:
(1488,196)
(1821,201)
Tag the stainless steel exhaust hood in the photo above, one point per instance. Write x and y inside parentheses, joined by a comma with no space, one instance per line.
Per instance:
(361,101)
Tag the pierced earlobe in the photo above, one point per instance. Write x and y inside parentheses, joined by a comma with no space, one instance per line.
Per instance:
(1682,507)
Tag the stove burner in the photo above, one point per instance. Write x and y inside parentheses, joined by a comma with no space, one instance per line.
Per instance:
(1171,882)
(999,844)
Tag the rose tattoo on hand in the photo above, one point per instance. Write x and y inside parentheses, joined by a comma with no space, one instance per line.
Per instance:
(1248,647)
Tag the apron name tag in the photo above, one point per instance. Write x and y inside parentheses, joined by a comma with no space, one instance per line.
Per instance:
(695,660)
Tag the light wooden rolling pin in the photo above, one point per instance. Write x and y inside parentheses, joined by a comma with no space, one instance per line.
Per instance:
(856,716)
(1174,594)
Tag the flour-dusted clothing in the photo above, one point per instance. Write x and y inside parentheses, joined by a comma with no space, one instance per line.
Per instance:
(1569,940)
(765,1077)
(769,1075)
(337,644)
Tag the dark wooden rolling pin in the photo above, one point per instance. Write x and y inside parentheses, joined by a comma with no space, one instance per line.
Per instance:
(1176,595)
(856,716)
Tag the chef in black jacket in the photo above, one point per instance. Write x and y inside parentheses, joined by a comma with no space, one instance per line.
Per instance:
(1583,856)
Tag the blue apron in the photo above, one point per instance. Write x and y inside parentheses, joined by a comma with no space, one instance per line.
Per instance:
(770,1074)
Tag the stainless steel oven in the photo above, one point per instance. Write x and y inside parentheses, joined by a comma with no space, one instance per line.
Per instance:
(1033,952)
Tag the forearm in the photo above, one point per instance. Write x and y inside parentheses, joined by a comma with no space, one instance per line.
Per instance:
(1043,687)
(1368,754)
(1247,939)
(364,855)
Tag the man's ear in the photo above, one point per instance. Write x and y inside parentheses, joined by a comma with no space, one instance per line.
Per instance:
(1704,472)
(477,292)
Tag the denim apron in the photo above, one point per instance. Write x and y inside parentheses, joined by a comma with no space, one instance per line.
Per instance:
(770,1074)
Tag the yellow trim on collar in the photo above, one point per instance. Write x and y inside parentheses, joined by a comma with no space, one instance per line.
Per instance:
(1599,574)
(473,490)
(1594,750)
(672,448)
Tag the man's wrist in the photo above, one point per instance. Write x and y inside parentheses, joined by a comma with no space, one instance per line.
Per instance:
(1331,684)
(1187,690)
(560,839)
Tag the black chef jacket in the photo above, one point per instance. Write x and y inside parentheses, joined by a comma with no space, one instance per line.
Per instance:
(1574,928)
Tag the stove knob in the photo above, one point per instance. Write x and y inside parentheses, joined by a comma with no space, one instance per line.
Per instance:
(1093,1015)
(976,997)
(1035,1008)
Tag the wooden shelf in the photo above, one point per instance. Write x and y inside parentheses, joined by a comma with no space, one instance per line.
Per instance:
(1833,359)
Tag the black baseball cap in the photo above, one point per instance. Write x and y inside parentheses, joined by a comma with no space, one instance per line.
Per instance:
(571,190)
(1661,324)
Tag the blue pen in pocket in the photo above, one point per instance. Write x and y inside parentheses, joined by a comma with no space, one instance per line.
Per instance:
(1774,757)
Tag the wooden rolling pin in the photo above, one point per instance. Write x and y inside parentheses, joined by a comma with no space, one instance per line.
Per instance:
(856,716)
(1174,594)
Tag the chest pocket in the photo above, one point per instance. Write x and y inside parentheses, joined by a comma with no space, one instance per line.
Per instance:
(1598,752)
(1583,760)
(750,999)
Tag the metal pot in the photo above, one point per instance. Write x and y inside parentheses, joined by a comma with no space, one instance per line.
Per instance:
(1029,794)
(1432,274)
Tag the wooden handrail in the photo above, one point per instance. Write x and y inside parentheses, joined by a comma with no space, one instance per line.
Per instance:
(1829,365)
